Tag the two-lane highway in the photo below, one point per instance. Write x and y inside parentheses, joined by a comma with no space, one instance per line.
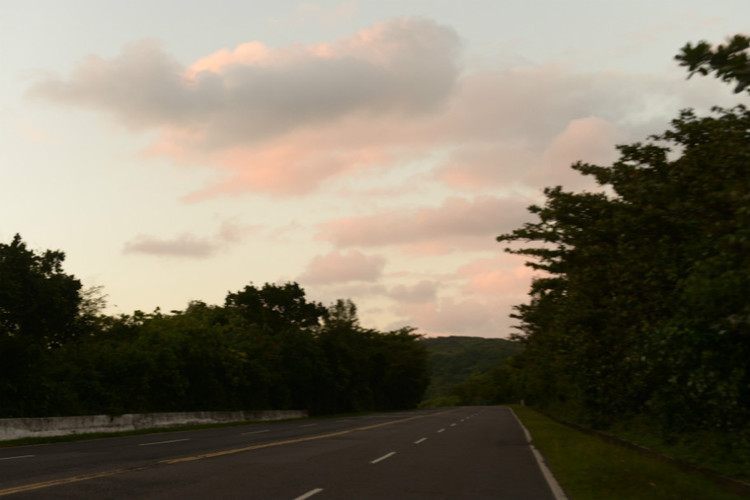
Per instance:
(466,453)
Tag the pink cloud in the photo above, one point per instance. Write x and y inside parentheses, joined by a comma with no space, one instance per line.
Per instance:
(286,120)
(499,282)
(244,54)
(518,163)
(477,165)
(526,126)
(457,222)
(589,140)
(476,299)
(490,288)
(342,267)
(457,317)
(292,166)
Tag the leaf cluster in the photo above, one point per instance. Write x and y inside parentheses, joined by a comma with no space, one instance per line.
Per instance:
(730,62)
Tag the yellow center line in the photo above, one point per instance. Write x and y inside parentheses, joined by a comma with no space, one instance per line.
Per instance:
(66,480)
(87,477)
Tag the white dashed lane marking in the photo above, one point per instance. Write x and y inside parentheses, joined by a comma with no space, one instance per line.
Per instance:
(309,494)
(387,455)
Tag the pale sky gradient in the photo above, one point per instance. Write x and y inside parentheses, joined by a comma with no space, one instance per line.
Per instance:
(371,150)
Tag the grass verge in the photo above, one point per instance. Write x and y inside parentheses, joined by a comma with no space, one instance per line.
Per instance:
(589,468)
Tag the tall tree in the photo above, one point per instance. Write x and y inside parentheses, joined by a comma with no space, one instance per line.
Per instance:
(38,300)
(644,306)
(38,309)
(276,306)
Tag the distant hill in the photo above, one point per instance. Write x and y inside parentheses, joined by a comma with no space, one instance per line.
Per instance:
(455,359)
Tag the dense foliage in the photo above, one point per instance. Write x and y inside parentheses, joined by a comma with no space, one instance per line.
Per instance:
(39,308)
(730,62)
(643,308)
(266,347)
(468,370)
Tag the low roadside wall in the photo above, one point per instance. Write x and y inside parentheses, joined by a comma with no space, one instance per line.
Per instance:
(16,428)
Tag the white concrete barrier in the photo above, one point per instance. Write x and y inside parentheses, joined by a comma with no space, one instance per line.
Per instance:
(16,428)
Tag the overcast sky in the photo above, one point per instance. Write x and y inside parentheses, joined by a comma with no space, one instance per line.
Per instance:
(371,150)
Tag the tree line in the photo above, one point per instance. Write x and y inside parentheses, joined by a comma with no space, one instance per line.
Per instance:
(642,306)
(467,370)
(266,347)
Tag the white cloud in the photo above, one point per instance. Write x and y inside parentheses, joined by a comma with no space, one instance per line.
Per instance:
(189,245)
(239,97)
(424,291)
(284,120)
(459,317)
(184,245)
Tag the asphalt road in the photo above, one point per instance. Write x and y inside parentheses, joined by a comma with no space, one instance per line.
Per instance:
(462,453)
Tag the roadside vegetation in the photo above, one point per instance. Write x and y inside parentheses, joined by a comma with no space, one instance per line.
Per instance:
(265,348)
(639,321)
(465,370)
(589,468)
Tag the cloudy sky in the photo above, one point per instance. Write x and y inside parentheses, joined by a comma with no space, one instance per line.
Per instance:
(177,150)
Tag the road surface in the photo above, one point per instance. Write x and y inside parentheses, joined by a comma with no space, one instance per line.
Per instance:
(462,453)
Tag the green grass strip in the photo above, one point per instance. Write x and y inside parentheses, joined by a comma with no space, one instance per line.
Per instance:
(588,468)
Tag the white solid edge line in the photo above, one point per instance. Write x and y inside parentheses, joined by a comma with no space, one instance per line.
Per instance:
(388,455)
(255,432)
(557,490)
(309,494)
(163,442)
